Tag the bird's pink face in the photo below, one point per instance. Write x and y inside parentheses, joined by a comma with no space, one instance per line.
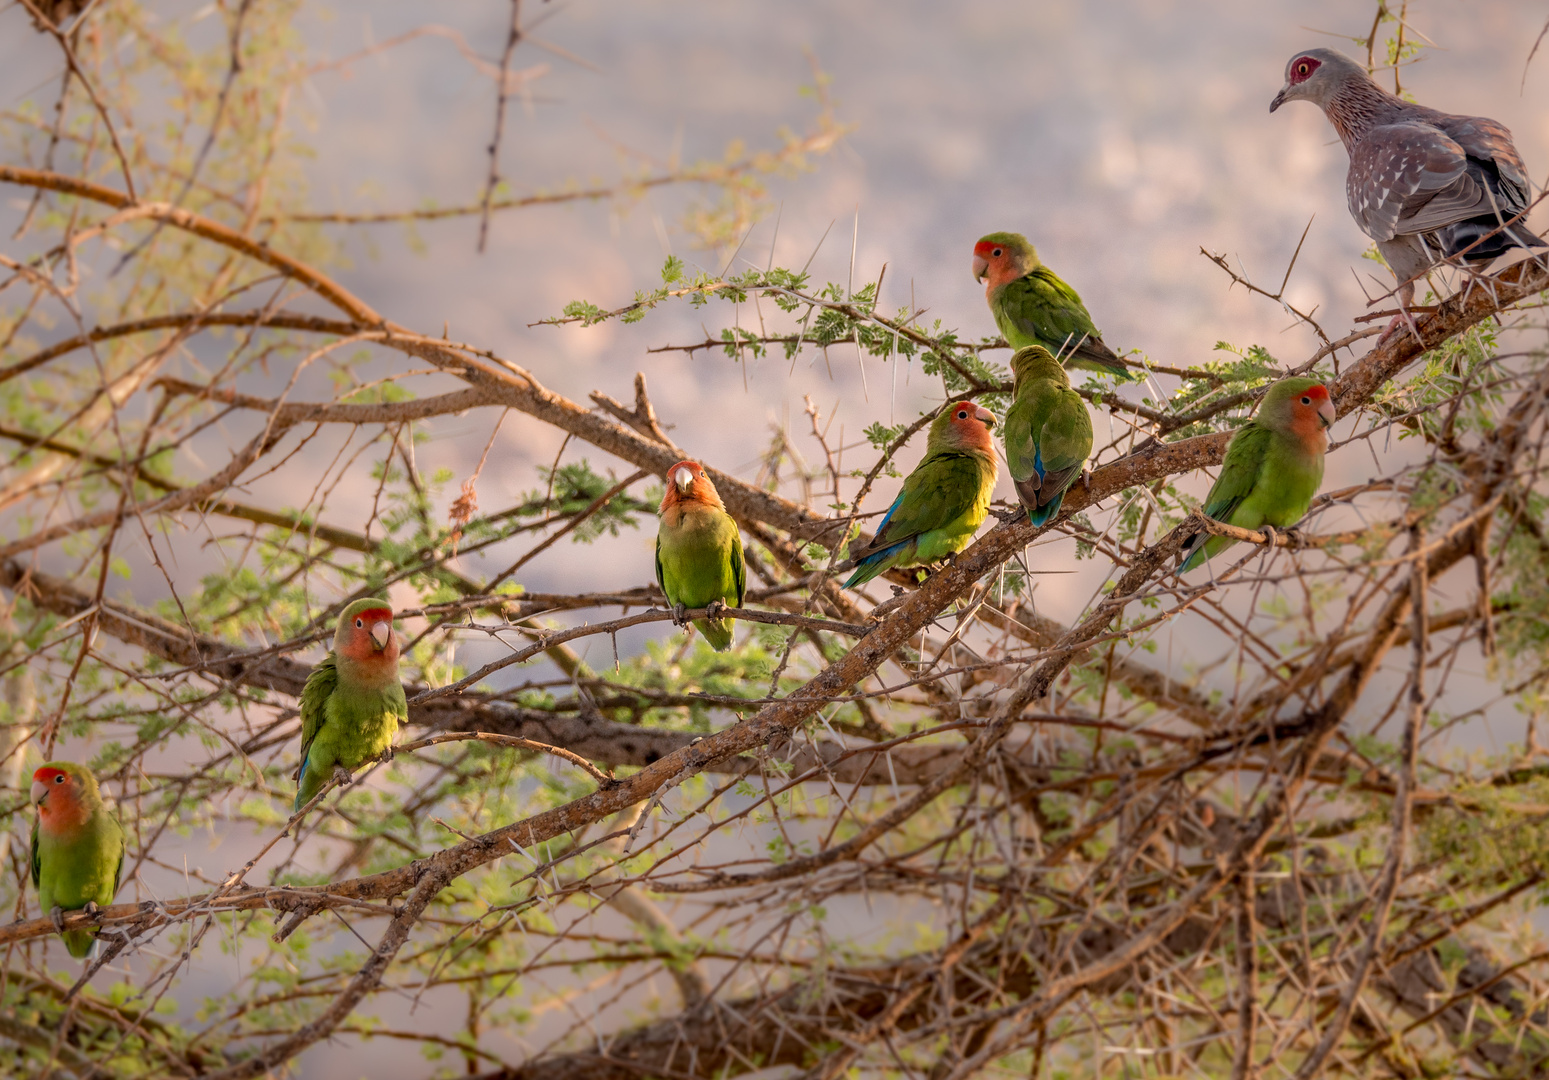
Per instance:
(1312,413)
(57,795)
(994,264)
(370,637)
(687,481)
(971,425)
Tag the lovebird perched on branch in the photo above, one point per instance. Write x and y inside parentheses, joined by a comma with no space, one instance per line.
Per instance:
(943,501)
(352,702)
(77,848)
(1048,433)
(1273,466)
(1033,306)
(699,551)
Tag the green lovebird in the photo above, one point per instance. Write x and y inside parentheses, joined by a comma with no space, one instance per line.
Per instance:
(1048,432)
(943,501)
(352,703)
(699,551)
(1032,305)
(77,848)
(1273,466)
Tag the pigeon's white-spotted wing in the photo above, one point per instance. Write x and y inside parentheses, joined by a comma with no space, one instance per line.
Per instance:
(1410,178)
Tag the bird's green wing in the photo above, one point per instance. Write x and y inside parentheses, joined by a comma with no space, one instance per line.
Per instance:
(37,862)
(1240,470)
(123,846)
(942,488)
(1066,441)
(320,685)
(1048,310)
(739,566)
(661,579)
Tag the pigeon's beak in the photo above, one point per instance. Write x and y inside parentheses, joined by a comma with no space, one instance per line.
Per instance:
(1326,413)
(1280,97)
(985,417)
(981,267)
(39,791)
(381,633)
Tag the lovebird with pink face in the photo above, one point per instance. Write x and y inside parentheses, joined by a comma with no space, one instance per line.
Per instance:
(1273,466)
(943,501)
(352,702)
(1033,305)
(699,561)
(77,848)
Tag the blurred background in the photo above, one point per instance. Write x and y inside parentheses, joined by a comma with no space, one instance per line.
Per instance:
(1122,138)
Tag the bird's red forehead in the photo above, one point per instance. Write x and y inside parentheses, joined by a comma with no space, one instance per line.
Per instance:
(1318,392)
(47,773)
(375,614)
(983,247)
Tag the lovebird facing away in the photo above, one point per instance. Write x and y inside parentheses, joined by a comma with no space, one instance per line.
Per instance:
(943,501)
(699,551)
(1048,432)
(77,848)
(1273,466)
(352,702)
(1033,306)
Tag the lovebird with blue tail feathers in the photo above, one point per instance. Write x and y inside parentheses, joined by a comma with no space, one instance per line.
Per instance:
(943,501)
(1048,433)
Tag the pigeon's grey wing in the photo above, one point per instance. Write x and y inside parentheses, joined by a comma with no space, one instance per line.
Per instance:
(1408,178)
(1488,142)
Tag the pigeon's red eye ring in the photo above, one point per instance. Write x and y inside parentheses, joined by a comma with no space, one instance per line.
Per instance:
(1306,401)
(996,253)
(360,623)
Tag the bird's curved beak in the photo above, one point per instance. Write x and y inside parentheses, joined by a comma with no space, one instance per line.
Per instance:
(1326,413)
(981,267)
(684,478)
(381,633)
(984,416)
(1280,97)
(39,792)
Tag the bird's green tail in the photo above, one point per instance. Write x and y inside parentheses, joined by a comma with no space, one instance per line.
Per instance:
(716,631)
(79,942)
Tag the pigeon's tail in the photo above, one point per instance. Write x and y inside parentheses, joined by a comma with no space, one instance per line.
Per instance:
(1482,239)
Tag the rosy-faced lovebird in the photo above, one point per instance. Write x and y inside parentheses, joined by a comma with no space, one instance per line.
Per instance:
(1273,466)
(699,551)
(77,848)
(1033,306)
(943,501)
(1048,432)
(352,702)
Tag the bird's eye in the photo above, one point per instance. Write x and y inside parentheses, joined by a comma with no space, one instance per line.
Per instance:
(1306,401)
(1301,69)
(996,253)
(360,622)
(59,779)
(962,414)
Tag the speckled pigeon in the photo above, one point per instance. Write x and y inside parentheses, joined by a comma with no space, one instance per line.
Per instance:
(1425,185)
